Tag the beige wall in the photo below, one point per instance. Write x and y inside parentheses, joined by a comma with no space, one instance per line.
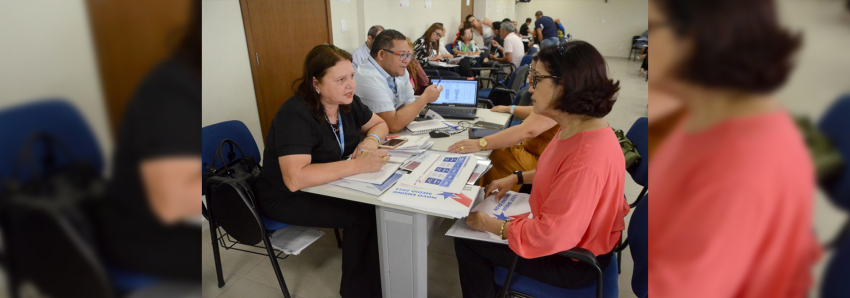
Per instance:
(584,20)
(227,86)
(411,21)
(47,52)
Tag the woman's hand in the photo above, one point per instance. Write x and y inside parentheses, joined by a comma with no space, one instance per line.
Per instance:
(465,146)
(502,185)
(501,109)
(369,144)
(371,161)
(480,221)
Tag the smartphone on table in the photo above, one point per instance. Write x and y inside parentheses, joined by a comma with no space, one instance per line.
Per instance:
(393,143)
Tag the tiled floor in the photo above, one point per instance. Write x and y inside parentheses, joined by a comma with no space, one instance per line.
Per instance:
(316,272)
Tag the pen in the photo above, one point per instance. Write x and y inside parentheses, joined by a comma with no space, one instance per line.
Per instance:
(449,125)
(438,82)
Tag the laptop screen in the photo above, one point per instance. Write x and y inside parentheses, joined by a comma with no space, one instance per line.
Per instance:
(457,92)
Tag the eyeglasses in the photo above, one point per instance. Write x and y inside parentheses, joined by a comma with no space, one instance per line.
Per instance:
(536,78)
(402,57)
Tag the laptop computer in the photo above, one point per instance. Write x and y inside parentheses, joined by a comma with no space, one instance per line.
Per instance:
(458,99)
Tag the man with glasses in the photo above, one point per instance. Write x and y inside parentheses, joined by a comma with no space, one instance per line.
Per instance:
(383,83)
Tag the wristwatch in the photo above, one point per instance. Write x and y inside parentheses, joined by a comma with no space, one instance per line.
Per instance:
(519,177)
(483,143)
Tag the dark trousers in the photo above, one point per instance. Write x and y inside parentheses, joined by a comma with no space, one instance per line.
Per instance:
(361,275)
(477,260)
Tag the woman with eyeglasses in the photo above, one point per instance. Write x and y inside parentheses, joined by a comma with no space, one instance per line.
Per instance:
(577,199)
(426,48)
(309,142)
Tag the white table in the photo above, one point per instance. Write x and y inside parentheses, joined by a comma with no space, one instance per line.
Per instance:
(404,233)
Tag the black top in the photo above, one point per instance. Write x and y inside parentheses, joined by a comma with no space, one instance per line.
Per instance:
(550,29)
(295,131)
(523,30)
(161,120)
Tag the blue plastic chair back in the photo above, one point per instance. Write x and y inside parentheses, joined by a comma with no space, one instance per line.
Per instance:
(531,51)
(211,137)
(638,245)
(55,117)
(639,135)
(449,48)
(527,285)
(835,124)
(526,60)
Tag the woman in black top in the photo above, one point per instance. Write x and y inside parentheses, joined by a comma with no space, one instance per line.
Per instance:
(308,144)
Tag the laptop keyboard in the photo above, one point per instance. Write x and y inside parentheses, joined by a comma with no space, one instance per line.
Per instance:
(446,111)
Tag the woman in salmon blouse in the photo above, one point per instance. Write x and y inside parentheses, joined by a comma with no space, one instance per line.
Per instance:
(577,199)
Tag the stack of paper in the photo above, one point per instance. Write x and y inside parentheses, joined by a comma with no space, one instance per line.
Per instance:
(293,239)
(439,202)
(414,146)
(426,126)
(512,206)
(369,188)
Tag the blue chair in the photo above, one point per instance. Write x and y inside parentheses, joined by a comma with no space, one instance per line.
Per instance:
(532,51)
(638,236)
(55,117)
(59,119)
(834,124)
(634,50)
(606,285)
(526,60)
(639,135)
(449,48)
(211,138)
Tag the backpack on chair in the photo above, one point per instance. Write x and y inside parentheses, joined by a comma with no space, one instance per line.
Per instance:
(229,191)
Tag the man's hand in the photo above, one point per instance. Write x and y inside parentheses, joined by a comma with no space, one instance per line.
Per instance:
(432,93)
(494,43)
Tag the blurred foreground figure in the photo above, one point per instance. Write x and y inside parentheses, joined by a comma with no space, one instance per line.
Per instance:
(67,231)
(733,215)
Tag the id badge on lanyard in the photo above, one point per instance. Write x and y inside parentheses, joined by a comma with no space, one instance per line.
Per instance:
(341,137)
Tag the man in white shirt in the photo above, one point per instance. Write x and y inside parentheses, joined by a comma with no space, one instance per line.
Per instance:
(362,52)
(513,49)
(383,83)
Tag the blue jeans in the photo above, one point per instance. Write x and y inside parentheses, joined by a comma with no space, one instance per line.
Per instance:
(551,41)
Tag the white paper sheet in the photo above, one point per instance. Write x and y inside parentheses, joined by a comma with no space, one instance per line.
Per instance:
(376,177)
(294,239)
(369,188)
(427,3)
(513,205)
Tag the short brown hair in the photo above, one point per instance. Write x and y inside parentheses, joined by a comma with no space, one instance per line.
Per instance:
(587,90)
(738,45)
(316,65)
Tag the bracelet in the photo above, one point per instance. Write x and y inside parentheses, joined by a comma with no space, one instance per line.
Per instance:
(374,138)
(502,231)
(512,109)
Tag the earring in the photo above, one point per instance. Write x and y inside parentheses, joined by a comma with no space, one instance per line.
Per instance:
(317,92)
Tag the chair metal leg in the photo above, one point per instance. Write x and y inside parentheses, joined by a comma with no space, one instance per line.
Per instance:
(640,196)
(276,267)
(619,253)
(214,238)
(338,239)
(599,282)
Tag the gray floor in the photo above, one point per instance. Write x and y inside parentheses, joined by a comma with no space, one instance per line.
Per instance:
(316,272)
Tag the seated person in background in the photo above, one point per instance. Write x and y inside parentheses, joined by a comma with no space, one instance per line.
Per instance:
(426,47)
(384,82)
(418,78)
(509,155)
(307,145)
(442,46)
(362,52)
(513,49)
(467,46)
(577,199)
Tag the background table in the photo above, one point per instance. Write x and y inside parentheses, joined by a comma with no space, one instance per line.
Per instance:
(404,233)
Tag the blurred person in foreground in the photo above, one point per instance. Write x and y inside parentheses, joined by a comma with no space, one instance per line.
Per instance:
(156,179)
(733,214)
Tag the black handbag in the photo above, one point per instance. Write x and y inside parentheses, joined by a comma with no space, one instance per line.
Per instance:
(230,196)
(46,221)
